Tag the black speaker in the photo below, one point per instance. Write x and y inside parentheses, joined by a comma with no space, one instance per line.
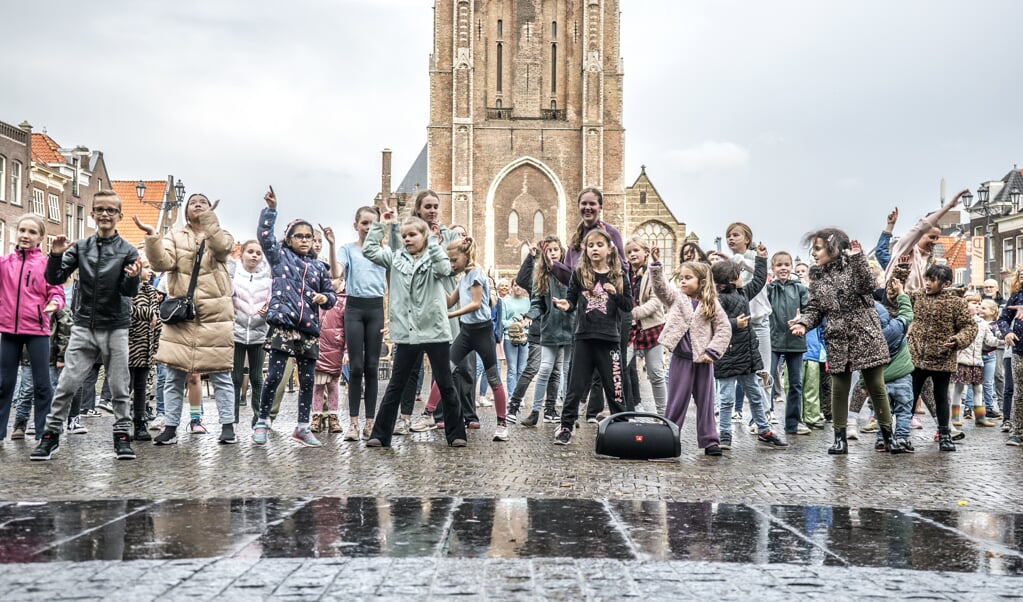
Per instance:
(620,436)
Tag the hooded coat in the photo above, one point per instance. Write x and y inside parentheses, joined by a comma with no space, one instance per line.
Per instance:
(840,291)
(205,344)
(743,353)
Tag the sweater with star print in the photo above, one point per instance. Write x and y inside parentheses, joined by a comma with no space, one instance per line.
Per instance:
(598,314)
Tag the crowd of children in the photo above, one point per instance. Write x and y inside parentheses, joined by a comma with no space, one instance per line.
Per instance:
(578,324)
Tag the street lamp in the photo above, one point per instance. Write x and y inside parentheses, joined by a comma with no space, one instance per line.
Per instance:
(1014,197)
(179,191)
(983,207)
(140,189)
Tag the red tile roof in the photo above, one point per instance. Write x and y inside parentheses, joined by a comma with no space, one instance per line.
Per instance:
(957,252)
(45,149)
(130,206)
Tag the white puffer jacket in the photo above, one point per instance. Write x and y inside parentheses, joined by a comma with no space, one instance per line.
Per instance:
(251,292)
(974,354)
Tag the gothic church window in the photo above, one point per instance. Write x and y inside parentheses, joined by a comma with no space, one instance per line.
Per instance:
(538,225)
(513,224)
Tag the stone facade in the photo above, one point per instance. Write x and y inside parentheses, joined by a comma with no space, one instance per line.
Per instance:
(647,215)
(15,192)
(525,111)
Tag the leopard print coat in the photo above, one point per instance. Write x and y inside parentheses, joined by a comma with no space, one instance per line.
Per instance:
(840,297)
(936,320)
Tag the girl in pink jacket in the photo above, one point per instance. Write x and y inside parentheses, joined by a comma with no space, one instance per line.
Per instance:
(697,332)
(26,302)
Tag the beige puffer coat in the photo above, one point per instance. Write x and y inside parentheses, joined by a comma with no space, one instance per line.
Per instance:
(206,344)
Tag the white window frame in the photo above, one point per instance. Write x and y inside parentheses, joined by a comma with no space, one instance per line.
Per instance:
(69,221)
(49,242)
(53,207)
(17,172)
(3,178)
(3,236)
(1009,251)
(960,276)
(39,202)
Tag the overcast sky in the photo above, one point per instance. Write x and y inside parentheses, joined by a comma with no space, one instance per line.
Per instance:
(786,115)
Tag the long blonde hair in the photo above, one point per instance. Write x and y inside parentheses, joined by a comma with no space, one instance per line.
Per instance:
(614,264)
(541,273)
(1015,285)
(708,294)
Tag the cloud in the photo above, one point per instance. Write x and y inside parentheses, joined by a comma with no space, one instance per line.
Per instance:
(711,156)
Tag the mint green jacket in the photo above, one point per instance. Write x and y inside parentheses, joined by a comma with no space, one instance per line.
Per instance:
(418,303)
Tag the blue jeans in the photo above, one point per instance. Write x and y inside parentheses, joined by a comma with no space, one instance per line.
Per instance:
(794,398)
(479,373)
(516,356)
(990,363)
(900,395)
(161,380)
(757,400)
(174,395)
(549,355)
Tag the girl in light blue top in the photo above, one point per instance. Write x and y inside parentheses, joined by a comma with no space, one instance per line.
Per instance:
(515,307)
(365,284)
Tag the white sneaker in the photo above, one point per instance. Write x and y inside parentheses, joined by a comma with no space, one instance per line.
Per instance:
(802,429)
(852,432)
(486,402)
(501,434)
(106,406)
(771,418)
(753,430)
(158,423)
(30,429)
(737,416)
(76,427)
(425,422)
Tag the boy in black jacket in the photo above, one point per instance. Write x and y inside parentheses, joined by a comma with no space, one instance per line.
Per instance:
(108,278)
(741,361)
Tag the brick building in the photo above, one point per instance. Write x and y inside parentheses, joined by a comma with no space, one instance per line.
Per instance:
(647,215)
(525,111)
(1005,247)
(63,182)
(158,206)
(15,161)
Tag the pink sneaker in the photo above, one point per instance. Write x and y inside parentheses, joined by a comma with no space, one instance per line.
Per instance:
(915,423)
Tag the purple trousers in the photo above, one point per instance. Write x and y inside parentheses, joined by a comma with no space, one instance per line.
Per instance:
(689,380)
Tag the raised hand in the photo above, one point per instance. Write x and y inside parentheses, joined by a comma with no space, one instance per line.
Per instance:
(655,254)
(59,245)
(328,234)
(389,215)
(761,250)
(854,247)
(213,207)
(897,286)
(133,268)
(893,217)
(271,199)
(533,249)
(955,199)
(143,226)
(435,229)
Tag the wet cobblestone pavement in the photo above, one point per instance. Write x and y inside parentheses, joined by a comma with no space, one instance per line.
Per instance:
(518,520)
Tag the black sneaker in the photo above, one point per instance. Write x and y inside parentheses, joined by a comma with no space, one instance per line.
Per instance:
(511,418)
(905,445)
(564,436)
(726,442)
(48,446)
(769,439)
(168,436)
(551,417)
(712,450)
(879,446)
(531,420)
(227,434)
(122,447)
(142,433)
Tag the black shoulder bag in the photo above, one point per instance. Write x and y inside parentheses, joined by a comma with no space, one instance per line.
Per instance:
(182,309)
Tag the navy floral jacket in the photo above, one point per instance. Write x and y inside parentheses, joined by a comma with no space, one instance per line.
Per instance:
(296,279)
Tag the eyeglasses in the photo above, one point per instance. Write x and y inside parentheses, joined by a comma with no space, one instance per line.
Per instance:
(106,210)
(302,236)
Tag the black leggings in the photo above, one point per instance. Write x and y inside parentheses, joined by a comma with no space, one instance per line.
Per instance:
(275,374)
(478,338)
(606,358)
(940,381)
(255,355)
(138,378)
(364,320)
(406,359)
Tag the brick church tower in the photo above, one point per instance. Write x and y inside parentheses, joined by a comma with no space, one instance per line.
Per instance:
(525,111)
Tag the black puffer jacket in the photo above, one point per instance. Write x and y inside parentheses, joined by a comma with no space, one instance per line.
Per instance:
(104,292)
(743,353)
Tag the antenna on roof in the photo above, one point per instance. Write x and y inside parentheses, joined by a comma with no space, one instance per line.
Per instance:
(942,203)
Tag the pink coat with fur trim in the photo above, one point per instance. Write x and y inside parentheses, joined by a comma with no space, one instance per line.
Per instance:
(705,334)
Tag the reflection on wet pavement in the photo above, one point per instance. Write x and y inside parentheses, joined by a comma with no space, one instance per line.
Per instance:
(961,541)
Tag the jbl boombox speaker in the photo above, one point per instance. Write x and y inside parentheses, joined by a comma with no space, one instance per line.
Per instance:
(618,436)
